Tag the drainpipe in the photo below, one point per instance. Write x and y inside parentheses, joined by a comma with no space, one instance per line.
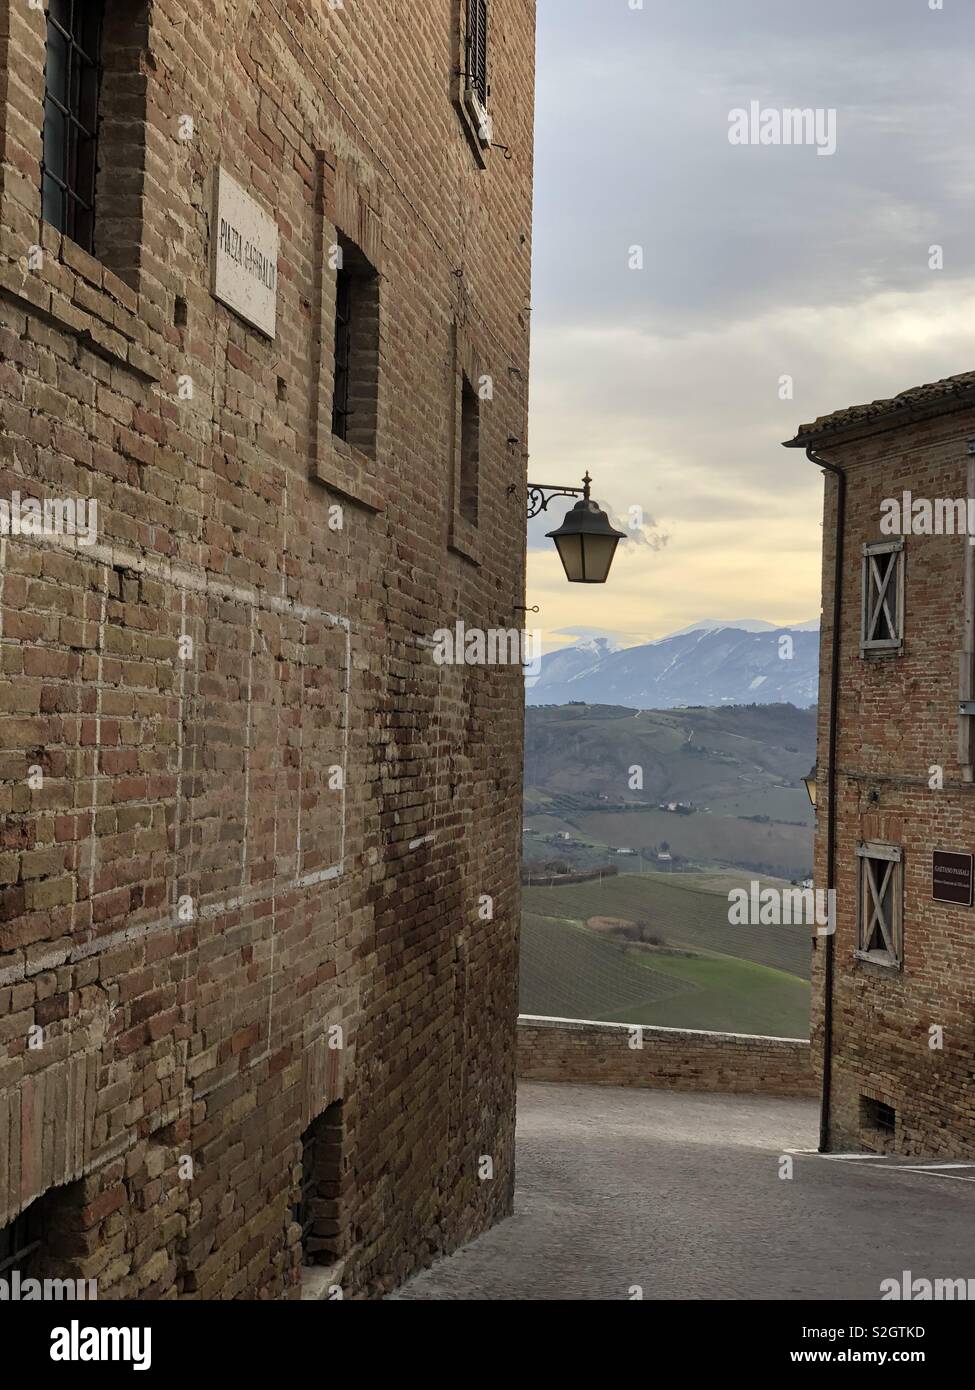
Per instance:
(834,682)
(966,680)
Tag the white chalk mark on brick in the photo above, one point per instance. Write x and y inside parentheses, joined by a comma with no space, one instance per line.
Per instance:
(96,752)
(178,813)
(248,725)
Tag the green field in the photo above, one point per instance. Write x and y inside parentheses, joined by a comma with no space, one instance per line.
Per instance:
(703,838)
(680,910)
(724,994)
(568,972)
(741,979)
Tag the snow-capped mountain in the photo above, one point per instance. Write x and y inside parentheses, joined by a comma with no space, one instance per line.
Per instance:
(570,663)
(745,625)
(703,666)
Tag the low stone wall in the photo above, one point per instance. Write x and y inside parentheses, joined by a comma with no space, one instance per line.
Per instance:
(542,880)
(676,1059)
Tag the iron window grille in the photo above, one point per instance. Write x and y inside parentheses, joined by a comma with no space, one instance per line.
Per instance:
(72,79)
(882,628)
(19,1240)
(880,912)
(477,39)
(877,1115)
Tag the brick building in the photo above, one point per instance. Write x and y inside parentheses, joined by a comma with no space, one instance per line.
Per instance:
(894,990)
(263,306)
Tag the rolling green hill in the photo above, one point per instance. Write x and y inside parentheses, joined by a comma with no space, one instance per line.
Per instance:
(683,913)
(710,975)
(569,972)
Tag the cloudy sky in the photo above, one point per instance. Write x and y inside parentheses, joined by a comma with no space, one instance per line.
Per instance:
(759,262)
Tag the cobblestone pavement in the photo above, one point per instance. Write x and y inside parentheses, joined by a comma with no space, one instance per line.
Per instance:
(681,1195)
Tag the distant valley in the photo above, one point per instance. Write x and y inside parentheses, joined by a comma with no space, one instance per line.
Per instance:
(625,907)
(732,776)
(656,778)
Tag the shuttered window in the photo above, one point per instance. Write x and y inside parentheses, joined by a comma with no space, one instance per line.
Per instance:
(880,917)
(882,627)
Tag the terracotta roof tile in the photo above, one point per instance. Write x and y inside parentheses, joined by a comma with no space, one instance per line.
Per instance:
(947,391)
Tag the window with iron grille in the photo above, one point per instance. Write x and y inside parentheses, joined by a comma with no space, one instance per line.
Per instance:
(877,1115)
(355,396)
(46,1240)
(72,77)
(477,43)
(21,1240)
(880,913)
(882,627)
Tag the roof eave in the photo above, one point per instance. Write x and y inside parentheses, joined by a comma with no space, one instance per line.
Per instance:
(884,422)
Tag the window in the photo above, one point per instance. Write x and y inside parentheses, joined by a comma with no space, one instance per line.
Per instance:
(21,1241)
(882,627)
(355,397)
(343,352)
(304,1207)
(93,157)
(319,1208)
(470,447)
(477,21)
(71,83)
(877,1119)
(471,88)
(473,385)
(44,1240)
(880,913)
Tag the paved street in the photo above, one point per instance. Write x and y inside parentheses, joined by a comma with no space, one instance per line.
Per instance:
(681,1195)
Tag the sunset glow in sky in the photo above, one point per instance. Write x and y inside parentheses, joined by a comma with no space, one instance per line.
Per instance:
(759,262)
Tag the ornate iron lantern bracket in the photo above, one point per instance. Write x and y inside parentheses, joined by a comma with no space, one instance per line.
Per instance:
(540,494)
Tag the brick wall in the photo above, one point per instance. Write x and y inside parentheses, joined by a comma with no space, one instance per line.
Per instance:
(898,723)
(206,935)
(676,1059)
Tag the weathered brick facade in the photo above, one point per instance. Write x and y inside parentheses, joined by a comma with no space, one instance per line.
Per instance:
(223,856)
(672,1059)
(900,783)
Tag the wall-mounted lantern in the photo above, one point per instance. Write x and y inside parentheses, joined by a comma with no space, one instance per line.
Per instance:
(810,784)
(586,541)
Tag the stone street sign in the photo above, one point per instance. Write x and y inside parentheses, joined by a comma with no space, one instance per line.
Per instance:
(952,877)
(244,255)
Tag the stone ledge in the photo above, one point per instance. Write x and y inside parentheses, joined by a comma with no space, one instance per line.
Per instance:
(580,1024)
(347,471)
(593,1053)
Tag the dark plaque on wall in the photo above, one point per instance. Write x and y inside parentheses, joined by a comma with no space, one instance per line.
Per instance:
(952,877)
